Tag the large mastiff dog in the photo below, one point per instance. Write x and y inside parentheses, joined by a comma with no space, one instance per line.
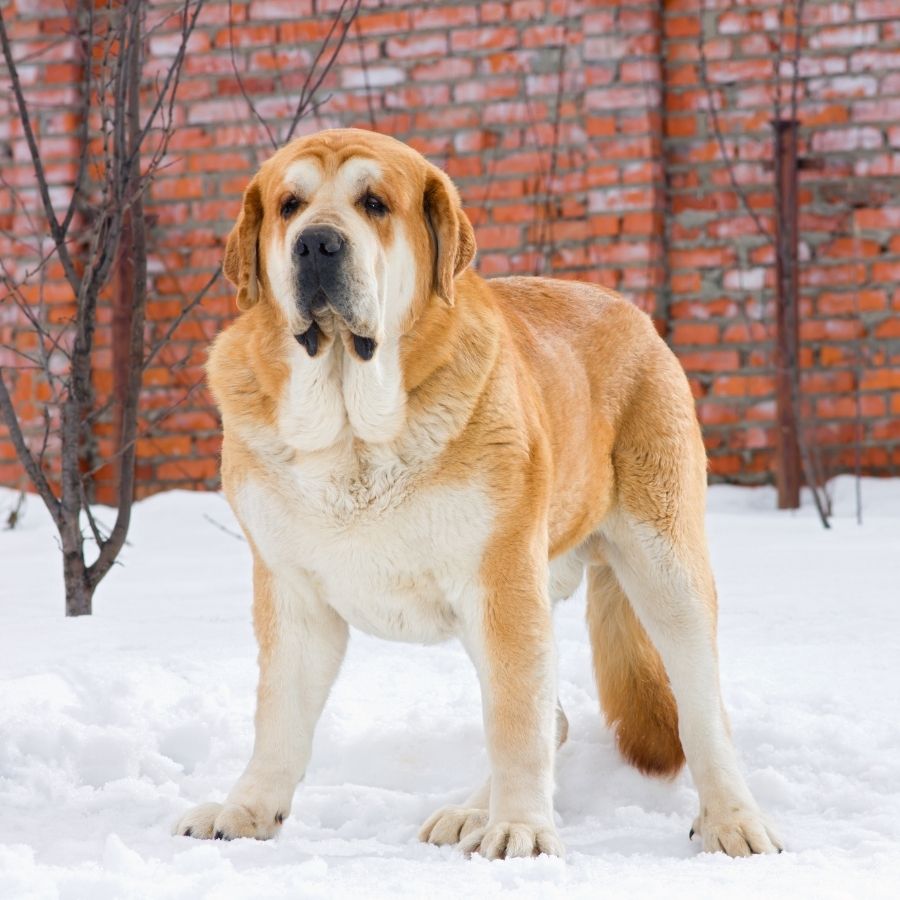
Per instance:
(423,454)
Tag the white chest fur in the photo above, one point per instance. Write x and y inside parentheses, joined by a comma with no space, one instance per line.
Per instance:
(393,557)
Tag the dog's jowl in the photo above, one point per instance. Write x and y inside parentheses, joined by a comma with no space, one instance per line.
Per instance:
(423,454)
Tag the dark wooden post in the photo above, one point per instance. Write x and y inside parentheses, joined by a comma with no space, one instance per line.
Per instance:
(787,316)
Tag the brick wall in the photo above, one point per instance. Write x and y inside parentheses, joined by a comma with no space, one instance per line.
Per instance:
(720,268)
(580,138)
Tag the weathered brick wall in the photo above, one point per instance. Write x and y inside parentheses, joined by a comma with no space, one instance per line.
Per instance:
(720,268)
(50,78)
(579,136)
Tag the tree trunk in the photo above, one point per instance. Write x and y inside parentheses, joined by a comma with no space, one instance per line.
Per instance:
(79,594)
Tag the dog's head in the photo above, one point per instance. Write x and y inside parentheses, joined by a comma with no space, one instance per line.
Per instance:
(348,233)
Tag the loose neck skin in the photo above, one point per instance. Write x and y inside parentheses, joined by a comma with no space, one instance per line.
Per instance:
(447,352)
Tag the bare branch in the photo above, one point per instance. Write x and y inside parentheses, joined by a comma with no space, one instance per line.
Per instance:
(92,522)
(12,518)
(720,140)
(38,479)
(158,419)
(795,74)
(240,81)
(173,72)
(182,315)
(56,229)
(87,53)
(45,439)
(365,70)
(224,528)
(545,241)
(310,88)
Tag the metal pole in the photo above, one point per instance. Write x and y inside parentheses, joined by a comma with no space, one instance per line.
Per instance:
(787,326)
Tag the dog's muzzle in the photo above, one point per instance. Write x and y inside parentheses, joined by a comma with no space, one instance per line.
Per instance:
(320,254)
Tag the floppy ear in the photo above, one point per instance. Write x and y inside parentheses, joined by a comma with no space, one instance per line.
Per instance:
(241,250)
(453,235)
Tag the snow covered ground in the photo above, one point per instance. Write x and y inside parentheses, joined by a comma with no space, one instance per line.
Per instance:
(110,726)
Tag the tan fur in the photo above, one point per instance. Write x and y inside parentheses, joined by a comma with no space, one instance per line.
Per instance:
(631,680)
(560,406)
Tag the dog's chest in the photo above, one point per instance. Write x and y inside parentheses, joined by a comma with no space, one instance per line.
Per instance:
(394,557)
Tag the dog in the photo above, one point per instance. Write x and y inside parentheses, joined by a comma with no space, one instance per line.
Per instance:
(421,453)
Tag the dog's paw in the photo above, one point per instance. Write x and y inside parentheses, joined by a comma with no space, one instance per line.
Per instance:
(736,830)
(505,840)
(225,822)
(452,823)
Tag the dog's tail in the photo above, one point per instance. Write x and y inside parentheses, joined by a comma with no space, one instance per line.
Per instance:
(632,683)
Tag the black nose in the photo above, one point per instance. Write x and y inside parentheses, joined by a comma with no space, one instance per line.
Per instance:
(320,239)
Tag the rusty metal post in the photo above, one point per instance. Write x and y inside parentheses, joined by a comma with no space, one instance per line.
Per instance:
(787,316)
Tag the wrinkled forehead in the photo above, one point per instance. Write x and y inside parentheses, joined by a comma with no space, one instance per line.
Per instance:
(349,176)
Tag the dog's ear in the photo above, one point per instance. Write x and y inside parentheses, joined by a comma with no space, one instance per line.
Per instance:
(242,248)
(454,239)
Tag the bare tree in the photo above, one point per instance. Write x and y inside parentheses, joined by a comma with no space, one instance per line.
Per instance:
(100,242)
(103,222)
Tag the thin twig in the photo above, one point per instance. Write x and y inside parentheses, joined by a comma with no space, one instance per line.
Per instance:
(365,70)
(12,518)
(310,88)
(43,185)
(545,240)
(224,528)
(720,140)
(173,72)
(38,479)
(240,81)
(182,315)
(87,52)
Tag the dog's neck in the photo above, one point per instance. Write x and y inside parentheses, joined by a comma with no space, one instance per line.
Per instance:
(391,401)
(415,397)
(332,398)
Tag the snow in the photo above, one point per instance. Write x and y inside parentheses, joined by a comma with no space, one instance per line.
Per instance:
(111,726)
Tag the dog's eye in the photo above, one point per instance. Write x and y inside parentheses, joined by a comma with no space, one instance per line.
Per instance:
(289,206)
(373,206)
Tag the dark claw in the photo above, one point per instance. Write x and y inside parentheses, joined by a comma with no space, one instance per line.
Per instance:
(279,818)
(189,832)
(365,347)
(219,835)
(691,835)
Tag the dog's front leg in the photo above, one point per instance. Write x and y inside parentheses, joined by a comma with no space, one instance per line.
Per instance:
(511,640)
(301,645)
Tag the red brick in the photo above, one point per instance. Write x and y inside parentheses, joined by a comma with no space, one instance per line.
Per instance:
(391,22)
(279,9)
(483,39)
(710,361)
(888,329)
(417,47)
(876,9)
(690,333)
(851,247)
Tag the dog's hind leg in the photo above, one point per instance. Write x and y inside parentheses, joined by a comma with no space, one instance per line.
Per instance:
(451,824)
(655,543)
